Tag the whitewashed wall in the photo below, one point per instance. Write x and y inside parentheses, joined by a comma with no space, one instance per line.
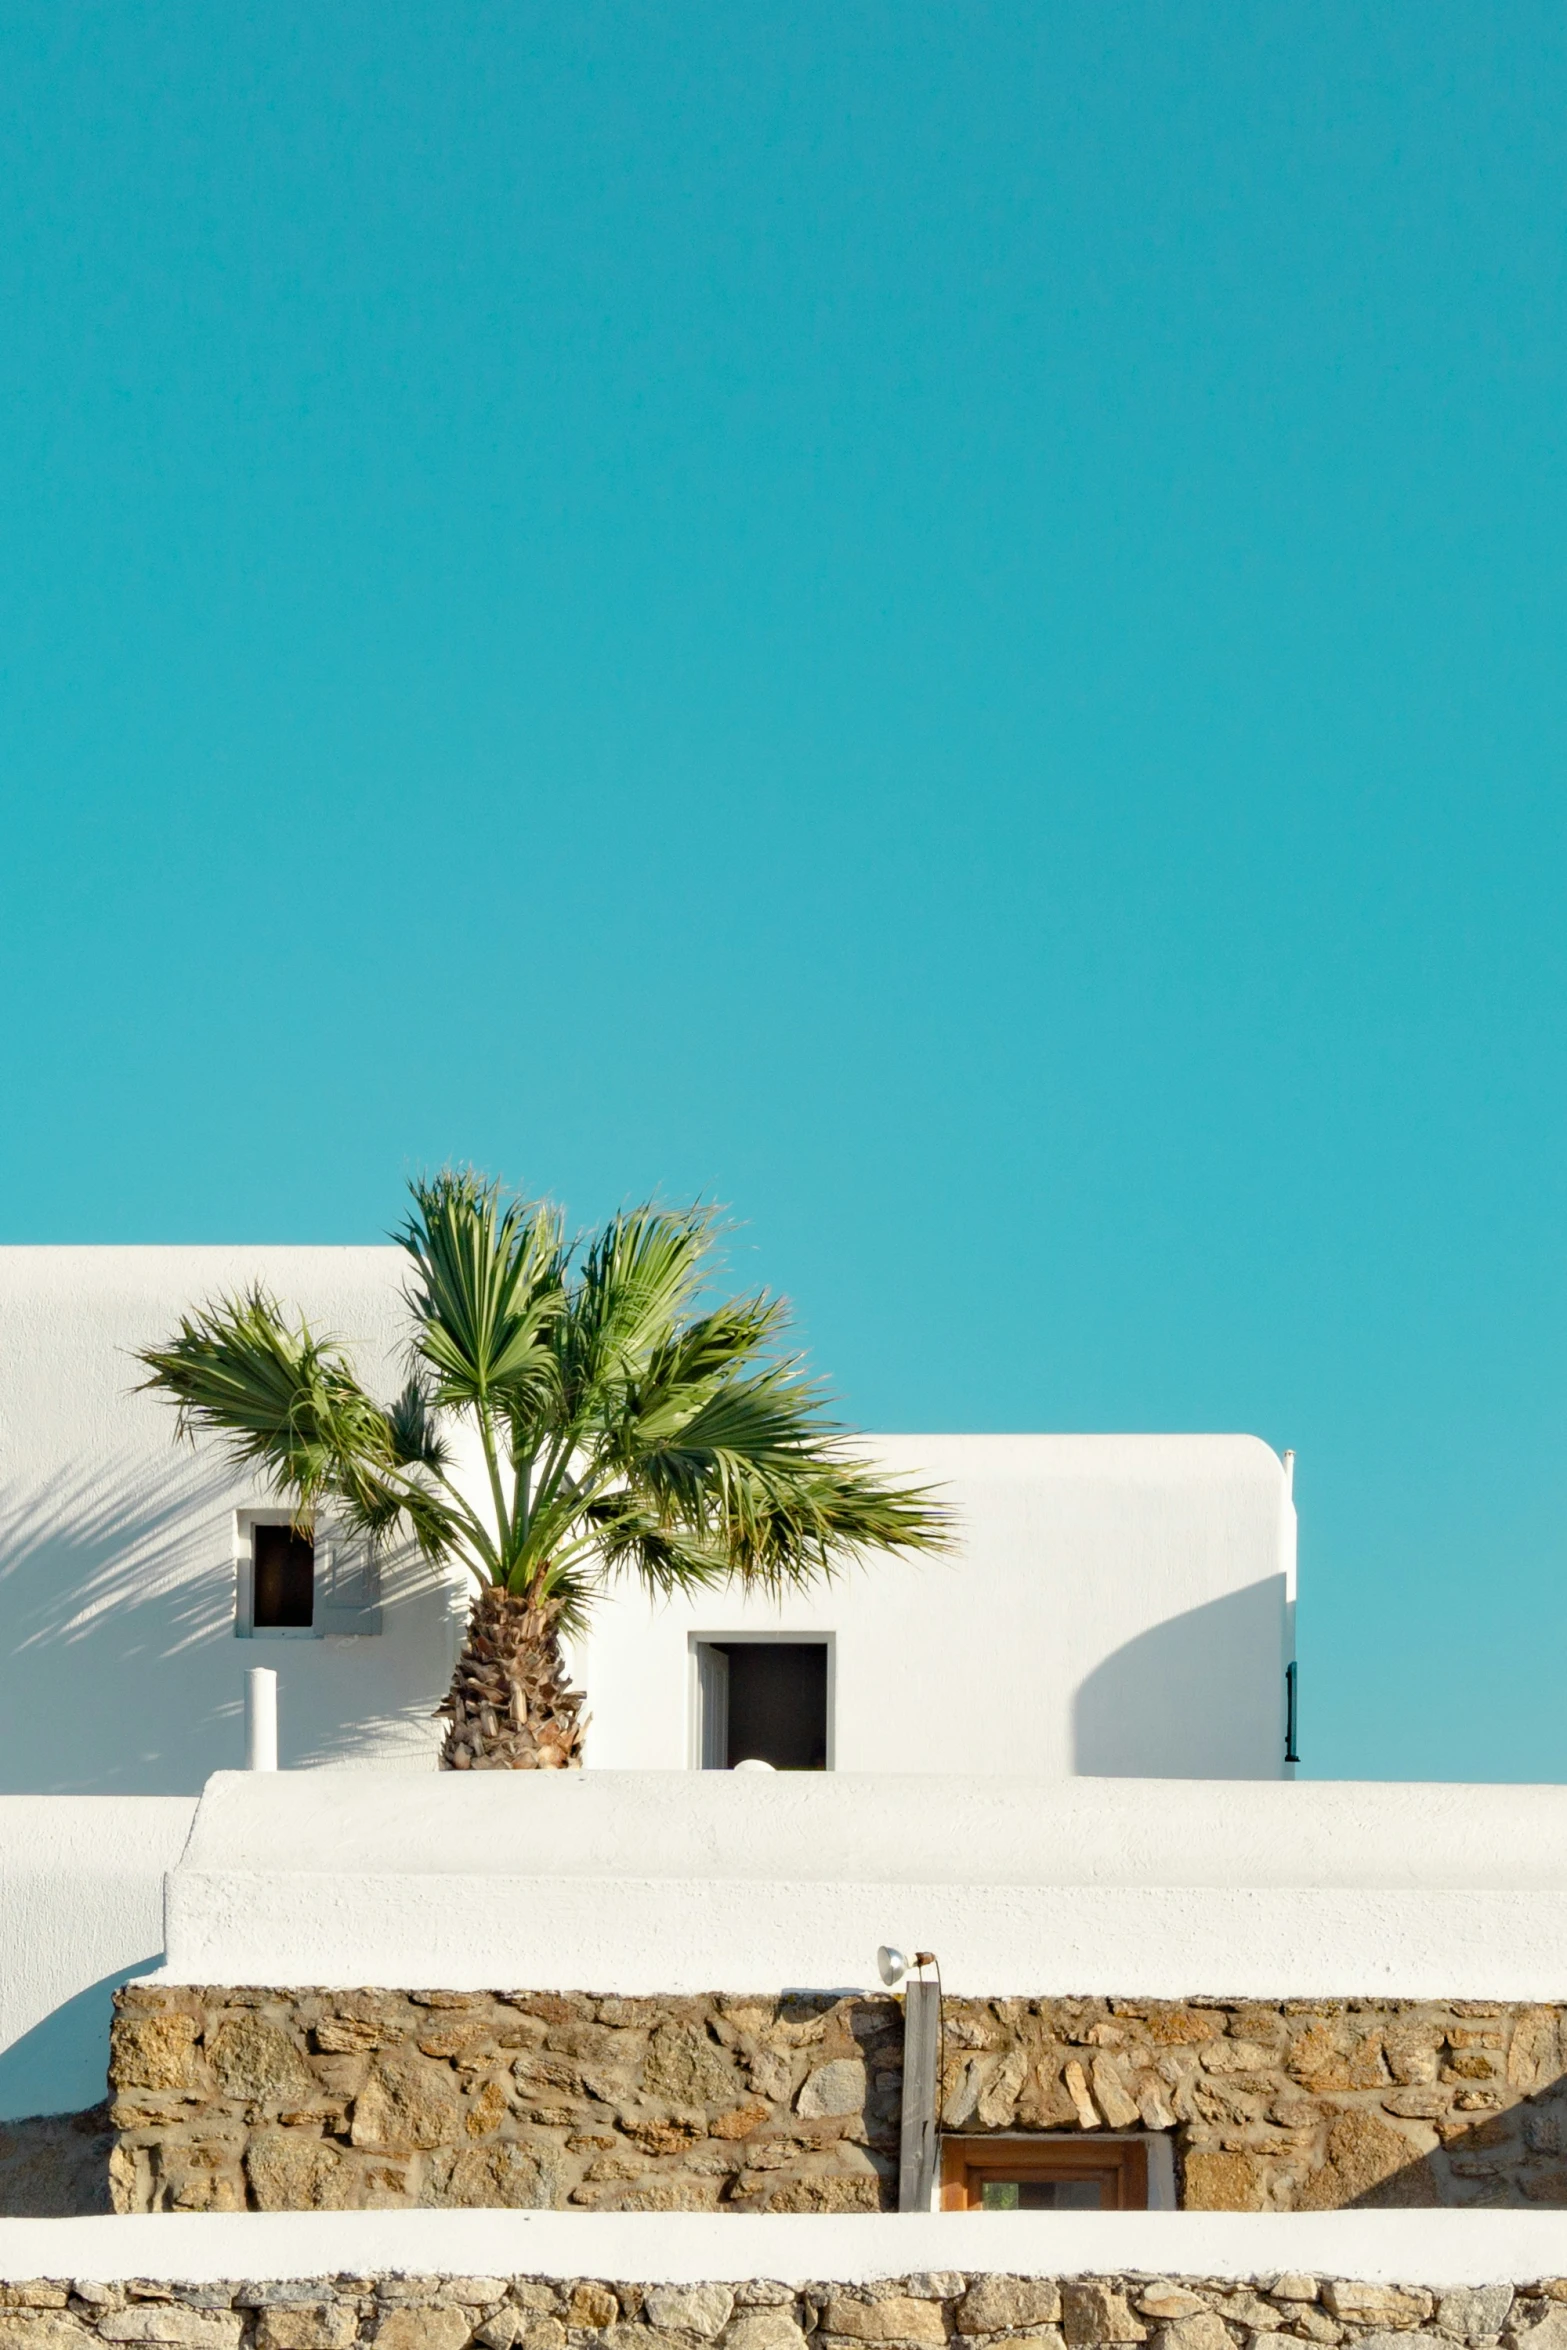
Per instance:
(81,1910)
(1118,1606)
(122,1671)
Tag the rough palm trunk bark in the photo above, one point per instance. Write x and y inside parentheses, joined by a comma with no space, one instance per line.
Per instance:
(510,1706)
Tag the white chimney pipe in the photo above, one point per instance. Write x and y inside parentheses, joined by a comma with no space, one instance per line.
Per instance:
(260,1719)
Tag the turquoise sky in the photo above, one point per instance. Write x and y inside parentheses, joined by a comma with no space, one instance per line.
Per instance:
(944,624)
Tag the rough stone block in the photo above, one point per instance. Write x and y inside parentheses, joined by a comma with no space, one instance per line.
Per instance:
(40,2293)
(685,2067)
(833,2191)
(1412,2341)
(1202,2331)
(741,2120)
(153,2052)
(1474,2309)
(764,2328)
(318,2325)
(441,2327)
(1365,2152)
(512,2176)
(1168,2303)
(288,2173)
(1245,2308)
(1313,2325)
(1385,2306)
(256,2059)
(1094,2313)
(834,2088)
(690,2309)
(1223,2182)
(1549,2334)
(407,2102)
(998,2305)
(508,2326)
(1110,2094)
(43,2329)
(592,2305)
(898,2318)
(166,2321)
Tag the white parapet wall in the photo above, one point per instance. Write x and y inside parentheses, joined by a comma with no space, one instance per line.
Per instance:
(1428,2248)
(81,1909)
(1114,1606)
(692,1882)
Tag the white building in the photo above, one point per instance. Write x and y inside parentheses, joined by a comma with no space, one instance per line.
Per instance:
(1116,1605)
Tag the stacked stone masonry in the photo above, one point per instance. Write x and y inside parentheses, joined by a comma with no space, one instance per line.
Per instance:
(226,2100)
(924,2312)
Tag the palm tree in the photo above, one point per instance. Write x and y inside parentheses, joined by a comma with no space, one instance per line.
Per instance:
(624,1423)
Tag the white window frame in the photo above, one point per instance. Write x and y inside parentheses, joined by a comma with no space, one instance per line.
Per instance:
(697,1641)
(333,1618)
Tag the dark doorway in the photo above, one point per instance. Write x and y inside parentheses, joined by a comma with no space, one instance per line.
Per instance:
(777,1703)
(283,1580)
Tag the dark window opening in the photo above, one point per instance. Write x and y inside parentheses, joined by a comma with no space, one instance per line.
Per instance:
(283,1580)
(777,1703)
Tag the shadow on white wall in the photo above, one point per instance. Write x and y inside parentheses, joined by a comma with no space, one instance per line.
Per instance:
(62,2064)
(1199,1696)
(124,1675)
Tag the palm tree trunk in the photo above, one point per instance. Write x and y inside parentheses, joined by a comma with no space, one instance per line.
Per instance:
(510,1706)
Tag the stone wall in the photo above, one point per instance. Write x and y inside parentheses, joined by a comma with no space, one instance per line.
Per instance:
(296,2100)
(924,2312)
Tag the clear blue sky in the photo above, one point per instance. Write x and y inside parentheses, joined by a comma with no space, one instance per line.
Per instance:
(943,624)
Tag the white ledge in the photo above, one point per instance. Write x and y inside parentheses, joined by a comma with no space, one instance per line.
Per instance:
(1436,2248)
(684,1881)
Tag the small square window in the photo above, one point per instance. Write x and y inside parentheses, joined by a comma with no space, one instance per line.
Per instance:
(1047,2174)
(762,1701)
(283,1579)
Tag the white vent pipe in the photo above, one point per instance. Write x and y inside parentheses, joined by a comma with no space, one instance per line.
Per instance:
(260,1719)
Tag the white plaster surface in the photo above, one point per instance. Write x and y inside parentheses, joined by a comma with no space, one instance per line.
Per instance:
(122,1672)
(81,1909)
(1419,2247)
(687,1882)
(1117,1605)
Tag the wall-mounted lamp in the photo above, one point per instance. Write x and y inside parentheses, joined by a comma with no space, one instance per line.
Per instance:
(892,1966)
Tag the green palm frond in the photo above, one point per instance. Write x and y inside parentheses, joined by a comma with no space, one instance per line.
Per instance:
(639,1278)
(290,1405)
(628,1426)
(488,1288)
(663,1557)
(281,1400)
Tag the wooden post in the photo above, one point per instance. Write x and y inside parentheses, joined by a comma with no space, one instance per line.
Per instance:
(921,2090)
